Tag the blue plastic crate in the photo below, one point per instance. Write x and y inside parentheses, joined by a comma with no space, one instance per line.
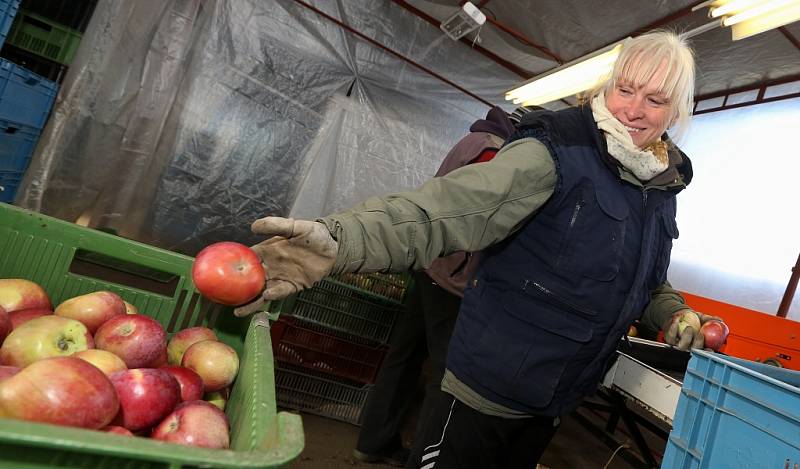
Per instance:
(17,143)
(735,413)
(25,97)
(8,10)
(9,183)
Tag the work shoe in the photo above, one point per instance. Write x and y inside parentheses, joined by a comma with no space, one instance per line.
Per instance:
(397,457)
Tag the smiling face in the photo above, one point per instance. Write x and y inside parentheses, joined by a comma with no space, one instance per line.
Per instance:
(644,110)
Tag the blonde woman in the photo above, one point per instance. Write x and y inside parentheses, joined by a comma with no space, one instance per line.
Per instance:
(576,218)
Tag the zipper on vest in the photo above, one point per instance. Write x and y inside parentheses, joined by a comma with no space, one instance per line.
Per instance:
(575,212)
(546,292)
(644,197)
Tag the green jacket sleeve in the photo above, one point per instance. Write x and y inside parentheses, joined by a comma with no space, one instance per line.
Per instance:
(466,210)
(664,302)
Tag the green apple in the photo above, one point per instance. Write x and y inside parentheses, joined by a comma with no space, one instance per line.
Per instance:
(47,336)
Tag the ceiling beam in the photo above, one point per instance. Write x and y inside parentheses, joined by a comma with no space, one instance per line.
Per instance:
(759,99)
(788,35)
(496,58)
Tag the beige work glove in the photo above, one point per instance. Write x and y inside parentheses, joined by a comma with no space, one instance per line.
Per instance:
(297,254)
(684,331)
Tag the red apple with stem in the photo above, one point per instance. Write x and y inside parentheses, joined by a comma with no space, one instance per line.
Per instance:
(25,315)
(62,391)
(92,309)
(190,382)
(146,396)
(139,340)
(715,333)
(217,363)
(47,336)
(195,423)
(228,273)
(183,339)
(17,294)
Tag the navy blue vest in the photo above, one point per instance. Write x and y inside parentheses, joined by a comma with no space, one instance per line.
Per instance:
(549,304)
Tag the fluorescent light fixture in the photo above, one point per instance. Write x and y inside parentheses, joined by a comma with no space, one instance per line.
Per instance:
(465,20)
(569,79)
(749,17)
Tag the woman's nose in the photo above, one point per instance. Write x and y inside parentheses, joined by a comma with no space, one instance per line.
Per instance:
(635,109)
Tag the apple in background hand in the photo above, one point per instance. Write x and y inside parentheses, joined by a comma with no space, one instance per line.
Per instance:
(215,362)
(117,430)
(17,294)
(146,396)
(228,273)
(92,309)
(47,336)
(191,383)
(218,398)
(8,371)
(137,339)
(183,339)
(195,423)
(62,391)
(688,319)
(107,362)
(5,324)
(25,315)
(715,334)
(130,309)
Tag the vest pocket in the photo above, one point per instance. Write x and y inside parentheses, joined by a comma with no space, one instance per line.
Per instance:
(594,233)
(533,344)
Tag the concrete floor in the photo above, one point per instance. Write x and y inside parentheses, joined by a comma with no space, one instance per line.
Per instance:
(329,445)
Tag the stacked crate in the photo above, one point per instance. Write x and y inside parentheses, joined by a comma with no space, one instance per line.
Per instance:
(37,42)
(330,340)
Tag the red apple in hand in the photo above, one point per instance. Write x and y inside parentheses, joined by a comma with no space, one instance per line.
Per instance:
(92,309)
(715,333)
(62,391)
(146,396)
(107,362)
(191,383)
(47,336)
(140,341)
(195,423)
(215,362)
(228,273)
(17,294)
(25,315)
(183,339)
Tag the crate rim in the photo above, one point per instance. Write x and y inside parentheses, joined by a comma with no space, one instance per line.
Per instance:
(737,364)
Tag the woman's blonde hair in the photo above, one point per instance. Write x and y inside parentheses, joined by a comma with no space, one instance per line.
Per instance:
(642,57)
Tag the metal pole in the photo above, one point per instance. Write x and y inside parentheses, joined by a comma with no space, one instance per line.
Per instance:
(788,295)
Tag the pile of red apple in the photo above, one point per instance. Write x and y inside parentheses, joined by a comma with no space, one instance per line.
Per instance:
(94,362)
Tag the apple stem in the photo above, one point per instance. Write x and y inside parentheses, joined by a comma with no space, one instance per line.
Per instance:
(63,344)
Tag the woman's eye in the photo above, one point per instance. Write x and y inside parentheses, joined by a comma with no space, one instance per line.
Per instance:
(656,101)
(625,91)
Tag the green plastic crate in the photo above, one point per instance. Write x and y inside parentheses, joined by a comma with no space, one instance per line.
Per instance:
(69,260)
(44,37)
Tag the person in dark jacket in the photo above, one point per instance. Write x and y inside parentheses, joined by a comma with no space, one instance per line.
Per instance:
(424,329)
(575,216)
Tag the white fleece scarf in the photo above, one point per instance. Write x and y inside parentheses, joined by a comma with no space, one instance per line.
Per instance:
(645,164)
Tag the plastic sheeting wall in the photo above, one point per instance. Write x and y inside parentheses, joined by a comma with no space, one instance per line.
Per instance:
(182,121)
(739,218)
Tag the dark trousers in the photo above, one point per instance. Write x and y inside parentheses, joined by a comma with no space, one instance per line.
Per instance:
(423,330)
(457,437)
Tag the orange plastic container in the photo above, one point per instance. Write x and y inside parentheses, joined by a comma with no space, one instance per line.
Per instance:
(754,335)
